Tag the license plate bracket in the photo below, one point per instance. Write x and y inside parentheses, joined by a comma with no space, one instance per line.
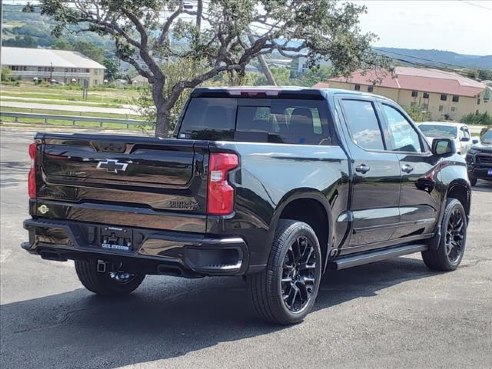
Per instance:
(116,239)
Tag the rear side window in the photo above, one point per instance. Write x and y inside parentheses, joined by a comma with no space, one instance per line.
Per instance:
(293,121)
(363,124)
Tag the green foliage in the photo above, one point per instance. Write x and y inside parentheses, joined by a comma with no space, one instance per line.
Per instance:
(314,75)
(111,72)
(281,76)
(5,74)
(418,113)
(480,119)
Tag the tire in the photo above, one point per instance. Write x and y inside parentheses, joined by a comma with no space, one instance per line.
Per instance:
(473,180)
(285,292)
(107,283)
(451,247)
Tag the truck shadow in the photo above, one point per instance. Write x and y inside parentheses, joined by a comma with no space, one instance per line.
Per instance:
(166,318)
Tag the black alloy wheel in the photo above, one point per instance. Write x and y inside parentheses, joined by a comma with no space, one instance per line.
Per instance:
(455,236)
(298,275)
(285,292)
(449,253)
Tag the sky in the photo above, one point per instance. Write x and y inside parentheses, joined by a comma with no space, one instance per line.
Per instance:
(464,27)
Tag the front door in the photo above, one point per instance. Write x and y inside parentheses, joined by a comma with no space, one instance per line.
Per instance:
(375,175)
(419,200)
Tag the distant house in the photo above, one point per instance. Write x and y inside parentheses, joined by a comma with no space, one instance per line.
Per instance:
(140,81)
(59,66)
(445,95)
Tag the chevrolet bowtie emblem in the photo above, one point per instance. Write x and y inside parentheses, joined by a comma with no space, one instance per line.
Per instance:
(112,165)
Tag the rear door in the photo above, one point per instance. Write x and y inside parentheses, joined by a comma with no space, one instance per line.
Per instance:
(375,174)
(124,180)
(419,200)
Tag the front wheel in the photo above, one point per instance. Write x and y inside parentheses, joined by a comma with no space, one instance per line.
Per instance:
(451,247)
(286,291)
(116,283)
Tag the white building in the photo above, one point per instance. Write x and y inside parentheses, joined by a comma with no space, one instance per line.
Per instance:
(47,65)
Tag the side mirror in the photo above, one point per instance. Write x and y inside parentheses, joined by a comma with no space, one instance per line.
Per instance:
(475,141)
(443,146)
(465,139)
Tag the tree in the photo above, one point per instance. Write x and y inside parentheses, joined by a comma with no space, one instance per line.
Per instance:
(86,48)
(150,33)
(281,76)
(5,74)
(314,75)
(111,72)
(418,113)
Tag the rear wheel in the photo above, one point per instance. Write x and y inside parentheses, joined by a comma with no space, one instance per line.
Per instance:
(286,291)
(114,283)
(451,247)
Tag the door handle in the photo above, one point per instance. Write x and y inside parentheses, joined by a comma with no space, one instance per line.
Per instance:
(363,168)
(407,168)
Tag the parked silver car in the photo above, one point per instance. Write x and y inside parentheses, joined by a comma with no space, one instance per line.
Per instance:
(459,132)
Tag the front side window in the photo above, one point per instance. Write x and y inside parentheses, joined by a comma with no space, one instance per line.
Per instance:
(363,124)
(403,135)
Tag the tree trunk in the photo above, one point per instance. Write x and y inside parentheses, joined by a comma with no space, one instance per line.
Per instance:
(162,111)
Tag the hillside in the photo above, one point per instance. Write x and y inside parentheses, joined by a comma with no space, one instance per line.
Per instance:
(438,58)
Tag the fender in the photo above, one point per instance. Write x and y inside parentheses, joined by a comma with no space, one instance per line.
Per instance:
(459,182)
(300,194)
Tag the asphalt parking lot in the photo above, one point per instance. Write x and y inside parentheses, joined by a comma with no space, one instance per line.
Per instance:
(392,314)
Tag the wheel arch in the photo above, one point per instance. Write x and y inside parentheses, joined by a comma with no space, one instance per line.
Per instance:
(458,189)
(309,206)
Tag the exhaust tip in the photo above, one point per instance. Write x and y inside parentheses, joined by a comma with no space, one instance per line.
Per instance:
(50,255)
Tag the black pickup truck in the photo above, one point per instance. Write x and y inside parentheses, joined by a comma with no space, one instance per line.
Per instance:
(276,185)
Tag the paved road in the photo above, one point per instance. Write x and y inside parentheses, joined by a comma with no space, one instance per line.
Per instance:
(393,314)
(73,109)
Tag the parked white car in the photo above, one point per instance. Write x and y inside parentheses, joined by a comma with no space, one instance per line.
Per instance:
(459,132)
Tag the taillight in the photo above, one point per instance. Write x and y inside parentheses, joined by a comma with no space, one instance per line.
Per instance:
(31,180)
(220,199)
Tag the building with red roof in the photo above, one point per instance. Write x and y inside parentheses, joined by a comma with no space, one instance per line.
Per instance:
(445,95)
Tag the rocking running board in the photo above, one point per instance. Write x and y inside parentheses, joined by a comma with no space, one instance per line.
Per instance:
(345,262)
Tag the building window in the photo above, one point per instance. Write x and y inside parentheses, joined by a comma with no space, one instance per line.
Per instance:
(441,107)
(456,98)
(415,93)
(444,97)
(87,70)
(426,95)
(478,100)
(370,88)
(357,87)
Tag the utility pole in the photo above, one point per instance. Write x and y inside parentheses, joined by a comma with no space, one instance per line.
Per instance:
(51,72)
(266,70)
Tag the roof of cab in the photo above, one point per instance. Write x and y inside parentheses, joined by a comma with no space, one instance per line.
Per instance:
(277,90)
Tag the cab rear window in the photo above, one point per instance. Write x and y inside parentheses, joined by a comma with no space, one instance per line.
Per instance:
(292,121)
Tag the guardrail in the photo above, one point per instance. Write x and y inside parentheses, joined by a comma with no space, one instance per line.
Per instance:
(71,118)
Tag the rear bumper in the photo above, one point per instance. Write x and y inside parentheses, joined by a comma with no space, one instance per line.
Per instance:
(149,251)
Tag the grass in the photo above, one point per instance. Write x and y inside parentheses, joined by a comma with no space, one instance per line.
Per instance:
(110,96)
(79,114)
(64,123)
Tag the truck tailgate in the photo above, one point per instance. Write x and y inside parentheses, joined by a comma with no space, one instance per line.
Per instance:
(124,180)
